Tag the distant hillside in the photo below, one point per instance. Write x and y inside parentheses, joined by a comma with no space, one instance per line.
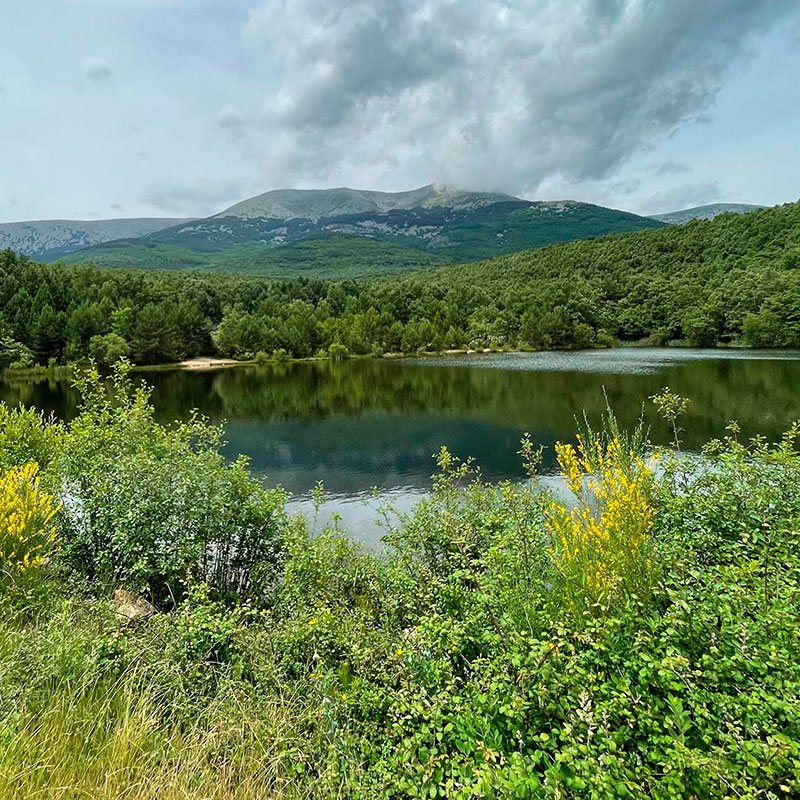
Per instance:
(268,235)
(324,256)
(731,280)
(49,240)
(704,212)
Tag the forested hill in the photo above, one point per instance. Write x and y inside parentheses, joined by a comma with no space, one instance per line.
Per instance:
(734,279)
(697,281)
(345,233)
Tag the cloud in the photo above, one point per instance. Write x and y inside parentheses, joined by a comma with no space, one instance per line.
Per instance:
(625,187)
(672,168)
(489,93)
(203,197)
(231,121)
(688,195)
(96,69)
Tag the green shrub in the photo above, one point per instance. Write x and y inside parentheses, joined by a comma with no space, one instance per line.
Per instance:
(338,351)
(107,350)
(158,508)
(14,354)
(27,435)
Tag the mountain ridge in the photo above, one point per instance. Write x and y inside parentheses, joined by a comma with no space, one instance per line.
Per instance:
(704,212)
(339,232)
(315,204)
(289,232)
(49,240)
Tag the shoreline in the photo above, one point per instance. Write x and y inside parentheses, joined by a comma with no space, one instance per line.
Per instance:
(211,363)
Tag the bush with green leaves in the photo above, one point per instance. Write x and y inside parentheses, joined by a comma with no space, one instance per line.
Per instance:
(157,508)
(466,679)
(27,435)
(106,350)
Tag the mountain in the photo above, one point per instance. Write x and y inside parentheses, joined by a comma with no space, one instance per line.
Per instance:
(704,212)
(340,233)
(49,240)
(315,204)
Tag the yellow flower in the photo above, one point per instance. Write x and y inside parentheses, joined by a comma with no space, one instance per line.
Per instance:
(312,622)
(399,651)
(596,544)
(26,519)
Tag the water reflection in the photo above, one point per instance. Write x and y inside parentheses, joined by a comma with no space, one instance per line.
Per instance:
(363,424)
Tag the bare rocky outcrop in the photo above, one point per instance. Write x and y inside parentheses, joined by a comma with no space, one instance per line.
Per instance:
(132,608)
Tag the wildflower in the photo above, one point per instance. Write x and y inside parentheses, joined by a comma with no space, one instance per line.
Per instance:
(312,621)
(399,651)
(598,543)
(26,519)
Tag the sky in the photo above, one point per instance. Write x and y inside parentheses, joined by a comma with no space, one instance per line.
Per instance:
(128,108)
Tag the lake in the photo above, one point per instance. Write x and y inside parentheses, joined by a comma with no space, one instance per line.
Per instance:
(361,424)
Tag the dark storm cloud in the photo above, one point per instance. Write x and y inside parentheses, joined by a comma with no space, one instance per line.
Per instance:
(493,93)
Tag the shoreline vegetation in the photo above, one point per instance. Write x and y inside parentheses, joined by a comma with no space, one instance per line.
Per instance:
(170,631)
(209,363)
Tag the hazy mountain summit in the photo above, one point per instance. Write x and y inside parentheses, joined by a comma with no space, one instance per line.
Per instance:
(49,240)
(316,204)
(704,212)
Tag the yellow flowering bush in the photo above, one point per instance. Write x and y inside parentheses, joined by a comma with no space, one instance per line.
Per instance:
(26,519)
(600,543)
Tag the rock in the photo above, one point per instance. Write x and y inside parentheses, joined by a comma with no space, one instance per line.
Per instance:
(131,607)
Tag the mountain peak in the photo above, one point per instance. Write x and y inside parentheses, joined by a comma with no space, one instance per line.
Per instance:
(315,204)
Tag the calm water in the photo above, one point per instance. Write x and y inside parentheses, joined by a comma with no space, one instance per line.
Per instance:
(363,424)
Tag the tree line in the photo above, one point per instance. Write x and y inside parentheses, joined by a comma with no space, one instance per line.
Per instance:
(731,280)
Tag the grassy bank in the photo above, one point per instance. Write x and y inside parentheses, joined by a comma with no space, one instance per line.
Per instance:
(639,641)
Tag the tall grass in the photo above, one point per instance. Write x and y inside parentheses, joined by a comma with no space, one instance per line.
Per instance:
(82,734)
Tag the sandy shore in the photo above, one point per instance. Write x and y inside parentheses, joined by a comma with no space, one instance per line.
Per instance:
(206,362)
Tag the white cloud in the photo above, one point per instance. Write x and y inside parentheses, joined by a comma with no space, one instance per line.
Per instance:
(491,93)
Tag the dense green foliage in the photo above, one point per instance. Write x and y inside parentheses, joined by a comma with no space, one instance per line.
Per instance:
(360,244)
(472,660)
(325,256)
(730,280)
(159,510)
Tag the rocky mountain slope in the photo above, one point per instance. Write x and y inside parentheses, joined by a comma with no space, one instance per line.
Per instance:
(291,232)
(315,204)
(49,240)
(704,212)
